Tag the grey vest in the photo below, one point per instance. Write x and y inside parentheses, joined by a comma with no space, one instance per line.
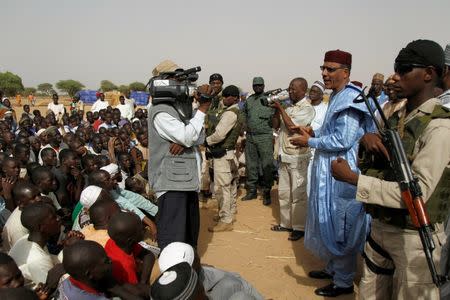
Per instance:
(169,172)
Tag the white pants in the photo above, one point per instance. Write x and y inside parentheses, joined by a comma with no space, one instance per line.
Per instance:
(292,194)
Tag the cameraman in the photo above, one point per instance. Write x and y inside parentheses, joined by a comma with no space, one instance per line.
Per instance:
(174,166)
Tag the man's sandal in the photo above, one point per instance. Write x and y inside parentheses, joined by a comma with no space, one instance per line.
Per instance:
(280,228)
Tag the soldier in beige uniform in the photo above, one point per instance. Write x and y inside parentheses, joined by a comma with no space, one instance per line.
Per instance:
(395,264)
(221,141)
(294,161)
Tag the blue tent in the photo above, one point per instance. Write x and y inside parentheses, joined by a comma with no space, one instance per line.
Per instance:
(139,97)
(88,96)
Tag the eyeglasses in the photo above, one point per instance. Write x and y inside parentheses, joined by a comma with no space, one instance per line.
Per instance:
(402,69)
(330,69)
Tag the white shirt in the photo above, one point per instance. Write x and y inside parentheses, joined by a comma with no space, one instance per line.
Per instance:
(32,260)
(174,130)
(301,113)
(13,230)
(125,111)
(52,197)
(132,103)
(321,111)
(98,105)
(57,109)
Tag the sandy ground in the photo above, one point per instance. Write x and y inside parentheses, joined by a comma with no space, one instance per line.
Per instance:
(276,266)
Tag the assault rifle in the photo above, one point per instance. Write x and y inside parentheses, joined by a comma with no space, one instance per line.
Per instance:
(409,185)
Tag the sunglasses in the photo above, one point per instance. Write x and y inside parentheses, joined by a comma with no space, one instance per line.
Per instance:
(330,69)
(402,69)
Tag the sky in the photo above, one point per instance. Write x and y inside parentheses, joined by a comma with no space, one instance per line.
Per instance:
(122,41)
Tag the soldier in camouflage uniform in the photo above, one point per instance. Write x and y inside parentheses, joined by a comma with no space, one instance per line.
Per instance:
(259,145)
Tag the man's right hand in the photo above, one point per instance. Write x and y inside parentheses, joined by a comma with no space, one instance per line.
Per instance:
(276,105)
(302,130)
(205,90)
(176,149)
(372,143)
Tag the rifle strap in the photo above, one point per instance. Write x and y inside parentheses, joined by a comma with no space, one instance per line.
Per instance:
(371,265)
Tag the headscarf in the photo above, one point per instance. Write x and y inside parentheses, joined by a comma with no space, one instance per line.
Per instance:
(89,195)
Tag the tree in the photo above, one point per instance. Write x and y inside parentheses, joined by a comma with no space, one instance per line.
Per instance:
(45,88)
(106,86)
(137,86)
(124,89)
(70,86)
(29,90)
(10,84)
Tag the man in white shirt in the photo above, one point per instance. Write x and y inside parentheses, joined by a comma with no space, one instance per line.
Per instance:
(125,109)
(57,108)
(100,104)
(24,193)
(294,161)
(30,252)
(131,102)
(316,99)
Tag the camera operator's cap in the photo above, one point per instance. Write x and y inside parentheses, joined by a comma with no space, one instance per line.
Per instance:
(215,76)
(447,55)
(422,52)
(231,90)
(164,67)
(258,80)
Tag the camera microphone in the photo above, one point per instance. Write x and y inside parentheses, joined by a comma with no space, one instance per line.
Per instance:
(188,71)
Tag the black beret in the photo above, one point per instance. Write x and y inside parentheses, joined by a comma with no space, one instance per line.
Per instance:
(231,90)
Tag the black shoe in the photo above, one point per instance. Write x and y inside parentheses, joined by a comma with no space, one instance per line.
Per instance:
(296,235)
(267,200)
(251,194)
(320,275)
(333,291)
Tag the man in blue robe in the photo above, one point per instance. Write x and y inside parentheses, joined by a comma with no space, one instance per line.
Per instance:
(336,223)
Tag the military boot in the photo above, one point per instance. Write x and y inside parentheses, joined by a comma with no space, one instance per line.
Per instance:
(251,194)
(220,227)
(266,198)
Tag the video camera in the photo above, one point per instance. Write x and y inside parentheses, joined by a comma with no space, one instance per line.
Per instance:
(176,89)
(170,87)
(276,95)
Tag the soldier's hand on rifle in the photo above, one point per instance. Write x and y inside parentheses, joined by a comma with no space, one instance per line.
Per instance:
(176,149)
(341,171)
(372,143)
